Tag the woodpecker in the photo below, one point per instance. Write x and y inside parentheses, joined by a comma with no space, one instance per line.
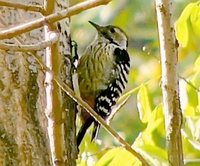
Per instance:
(102,74)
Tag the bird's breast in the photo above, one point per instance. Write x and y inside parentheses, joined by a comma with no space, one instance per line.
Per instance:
(96,69)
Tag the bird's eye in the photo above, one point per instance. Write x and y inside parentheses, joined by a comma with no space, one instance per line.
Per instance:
(112,30)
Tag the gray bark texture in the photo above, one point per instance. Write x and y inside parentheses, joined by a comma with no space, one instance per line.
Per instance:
(68,105)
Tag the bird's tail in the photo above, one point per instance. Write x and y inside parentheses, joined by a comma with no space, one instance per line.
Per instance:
(95,130)
(83,130)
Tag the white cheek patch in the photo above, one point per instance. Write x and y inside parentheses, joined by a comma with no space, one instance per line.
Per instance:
(123,38)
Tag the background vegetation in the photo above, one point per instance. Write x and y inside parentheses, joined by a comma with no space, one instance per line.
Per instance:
(34,133)
(141,122)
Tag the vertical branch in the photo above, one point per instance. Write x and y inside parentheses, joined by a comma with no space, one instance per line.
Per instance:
(53,102)
(170,86)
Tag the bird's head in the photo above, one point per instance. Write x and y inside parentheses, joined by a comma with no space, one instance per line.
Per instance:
(112,34)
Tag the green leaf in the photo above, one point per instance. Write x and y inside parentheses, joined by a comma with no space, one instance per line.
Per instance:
(192,131)
(195,19)
(182,25)
(157,156)
(192,91)
(118,156)
(156,122)
(152,140)
(143,104)
(197,64)
(188,25)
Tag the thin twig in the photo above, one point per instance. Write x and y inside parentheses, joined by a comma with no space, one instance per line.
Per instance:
(32,47)
(34,8)
(189,83)
(116,108)
(30,53)
(71,93)
(124,98)
(37,23)
(84,105)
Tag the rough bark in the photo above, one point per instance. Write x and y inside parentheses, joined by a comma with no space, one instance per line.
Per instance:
(68,105)
(23,138)
(37,122)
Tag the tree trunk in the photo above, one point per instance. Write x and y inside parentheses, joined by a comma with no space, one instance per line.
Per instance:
(24,138)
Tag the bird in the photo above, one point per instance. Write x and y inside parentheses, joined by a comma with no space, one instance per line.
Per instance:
(102,75)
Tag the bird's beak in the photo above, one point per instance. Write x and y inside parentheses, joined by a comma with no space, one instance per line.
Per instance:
(97,27)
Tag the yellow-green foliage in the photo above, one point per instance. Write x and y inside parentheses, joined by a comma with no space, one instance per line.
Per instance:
(141,120)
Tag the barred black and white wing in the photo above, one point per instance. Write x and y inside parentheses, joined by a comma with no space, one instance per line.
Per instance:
(108,97)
